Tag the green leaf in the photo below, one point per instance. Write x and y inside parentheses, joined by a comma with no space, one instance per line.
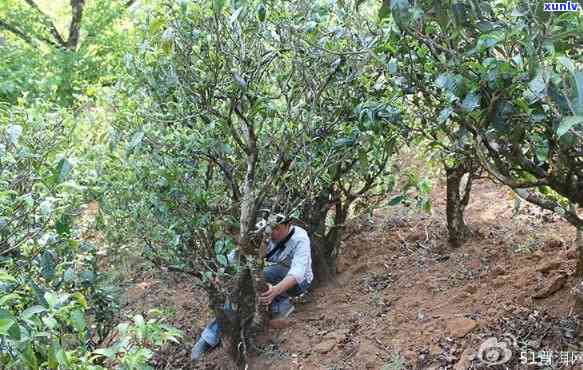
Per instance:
(135,142)
(567,63)
(30,357)
(363,162)
(444,114)
(578,101)
(14,132)
(123,328)
(261,12)
(52,355)
(50,322)
(536,89)
(6,321)
(4,276)
(222,260)
(69,275)
(51,299)
(385,10)
(218,5)
(87,277)
(567,123)
(80,298)
(62,171)
(396,200)
(62,358)
(471,102)
(424,186)
(400,11)
(63,225)
(344,141)
(107,352)
(8,297)
(78,320)
(47,265)
(542,153)
(156,25)
(33,310)
(392,66)
(426,205)
(445,81)
(235,16)
(14,332)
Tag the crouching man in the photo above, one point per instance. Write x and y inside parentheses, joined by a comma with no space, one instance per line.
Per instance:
(288,272)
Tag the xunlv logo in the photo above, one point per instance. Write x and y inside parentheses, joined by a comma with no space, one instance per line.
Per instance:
(561,7)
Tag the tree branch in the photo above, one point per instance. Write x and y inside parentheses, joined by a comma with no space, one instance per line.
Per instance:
(15,31)
(571,217)
(75,25)
(47,22)
(497,174)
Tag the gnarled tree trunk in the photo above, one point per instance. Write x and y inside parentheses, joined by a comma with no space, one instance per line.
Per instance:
(325,242)
(458,197)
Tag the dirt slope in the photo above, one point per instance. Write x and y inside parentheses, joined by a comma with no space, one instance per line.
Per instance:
(397,300)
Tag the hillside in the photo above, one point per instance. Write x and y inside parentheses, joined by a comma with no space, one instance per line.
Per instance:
(397,299)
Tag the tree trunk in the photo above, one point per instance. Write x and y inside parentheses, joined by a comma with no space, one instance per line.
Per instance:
(325,243)
(324,269)
(457,201)
(75,25)
(247,318)
(579,268)
(314,215)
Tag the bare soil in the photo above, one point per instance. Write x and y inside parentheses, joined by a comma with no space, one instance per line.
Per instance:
(403,296)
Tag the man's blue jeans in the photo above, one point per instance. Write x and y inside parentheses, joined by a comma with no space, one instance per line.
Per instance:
(273,274)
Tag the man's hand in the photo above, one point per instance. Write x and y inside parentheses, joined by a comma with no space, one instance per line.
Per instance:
(273,291)
(268,296)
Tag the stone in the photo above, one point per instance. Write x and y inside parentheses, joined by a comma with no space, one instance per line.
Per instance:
(325,346)
(571,253)
(465,361)
(555,283)
(410,356)
(552,244)
(434,350)
(549,266)
(471,289)
(338,335)
(460,327)
(498,270)
(500,281)
(538,255)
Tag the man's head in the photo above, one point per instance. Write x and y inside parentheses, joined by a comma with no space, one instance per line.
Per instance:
(280,231)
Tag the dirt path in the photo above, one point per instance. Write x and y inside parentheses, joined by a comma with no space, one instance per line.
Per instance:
(398,301)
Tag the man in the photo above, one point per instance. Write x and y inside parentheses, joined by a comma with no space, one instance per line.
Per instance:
(288,272)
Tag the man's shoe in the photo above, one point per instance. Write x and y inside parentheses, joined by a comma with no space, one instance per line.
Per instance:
(284,314)
(199,349)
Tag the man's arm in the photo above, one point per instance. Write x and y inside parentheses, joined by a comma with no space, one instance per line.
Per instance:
(295,275)
(288,282)
(300,261)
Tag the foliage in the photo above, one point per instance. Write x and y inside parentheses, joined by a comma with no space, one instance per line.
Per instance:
(182,145)
(234,105)
(54,303)
(494,70)
(191,116)
(39,62)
